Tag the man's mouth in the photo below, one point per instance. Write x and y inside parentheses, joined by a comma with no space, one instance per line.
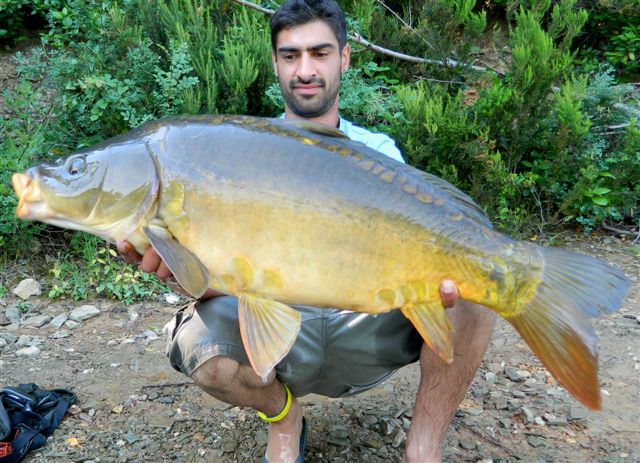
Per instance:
(309,88)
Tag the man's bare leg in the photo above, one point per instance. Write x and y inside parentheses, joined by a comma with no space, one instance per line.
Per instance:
(442,387)
(237,384)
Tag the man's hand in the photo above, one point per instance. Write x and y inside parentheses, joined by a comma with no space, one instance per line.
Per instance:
(151,262)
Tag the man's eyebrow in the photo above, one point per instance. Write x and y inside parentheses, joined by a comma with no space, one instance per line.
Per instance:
(321,46)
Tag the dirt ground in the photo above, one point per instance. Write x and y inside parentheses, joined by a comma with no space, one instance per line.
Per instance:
(133,407)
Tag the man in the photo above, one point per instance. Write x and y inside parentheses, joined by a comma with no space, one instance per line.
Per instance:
(335,353)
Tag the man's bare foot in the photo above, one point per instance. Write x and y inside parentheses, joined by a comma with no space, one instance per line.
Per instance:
(283,445)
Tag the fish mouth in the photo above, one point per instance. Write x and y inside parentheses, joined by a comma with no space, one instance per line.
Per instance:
(30,203)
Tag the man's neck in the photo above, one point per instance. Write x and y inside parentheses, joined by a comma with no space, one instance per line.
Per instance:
(330,118)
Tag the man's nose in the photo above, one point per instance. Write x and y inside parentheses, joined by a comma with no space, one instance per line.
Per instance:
(307,68)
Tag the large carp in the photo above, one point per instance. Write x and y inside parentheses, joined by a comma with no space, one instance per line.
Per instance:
(280,213)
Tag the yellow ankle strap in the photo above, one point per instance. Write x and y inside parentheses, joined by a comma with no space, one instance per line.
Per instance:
(282,414)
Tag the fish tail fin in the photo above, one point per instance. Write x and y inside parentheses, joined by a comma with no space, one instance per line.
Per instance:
(555,323)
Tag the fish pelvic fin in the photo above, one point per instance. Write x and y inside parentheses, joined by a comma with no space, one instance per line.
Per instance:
(185,266)
(268,329)
(432,322)
(555,322)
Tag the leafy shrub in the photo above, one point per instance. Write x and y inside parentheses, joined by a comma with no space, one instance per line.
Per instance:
(91,266)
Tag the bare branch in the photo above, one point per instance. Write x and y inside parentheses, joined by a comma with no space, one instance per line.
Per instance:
(384,51)
(405,24)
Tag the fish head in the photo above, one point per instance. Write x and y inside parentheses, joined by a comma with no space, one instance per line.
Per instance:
(103,190)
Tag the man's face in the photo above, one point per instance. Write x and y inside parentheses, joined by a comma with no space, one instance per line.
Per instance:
(309,63)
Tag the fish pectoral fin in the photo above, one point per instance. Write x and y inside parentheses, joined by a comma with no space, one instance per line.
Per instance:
(431,321)
(268,329)
(190,273)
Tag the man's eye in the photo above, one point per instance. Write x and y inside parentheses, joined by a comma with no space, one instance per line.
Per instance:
(288,57)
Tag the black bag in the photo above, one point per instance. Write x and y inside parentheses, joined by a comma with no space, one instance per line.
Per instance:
(28,415)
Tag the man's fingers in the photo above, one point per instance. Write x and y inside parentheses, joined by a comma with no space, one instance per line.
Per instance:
(129,254)
(163,271)
(152,263)
(448,293)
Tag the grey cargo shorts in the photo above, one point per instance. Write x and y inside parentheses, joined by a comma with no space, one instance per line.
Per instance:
(337,353)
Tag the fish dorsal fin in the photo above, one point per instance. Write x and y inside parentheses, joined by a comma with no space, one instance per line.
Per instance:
(192,275)
(268,329)
(431,321)
(320,129)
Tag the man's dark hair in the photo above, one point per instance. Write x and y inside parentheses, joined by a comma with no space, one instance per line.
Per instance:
(297,12)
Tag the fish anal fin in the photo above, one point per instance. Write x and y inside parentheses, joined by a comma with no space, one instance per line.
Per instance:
(185,266)
(268,329)
(432,322)
(565,343)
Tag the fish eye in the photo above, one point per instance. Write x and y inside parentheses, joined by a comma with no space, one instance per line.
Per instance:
(77,166)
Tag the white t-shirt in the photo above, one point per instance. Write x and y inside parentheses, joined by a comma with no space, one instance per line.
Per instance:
(377,141)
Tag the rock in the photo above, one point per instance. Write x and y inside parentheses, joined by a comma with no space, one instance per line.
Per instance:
(528,414)
(24,340)
(577,412)
(37,321)
(399,438)
(387,426)
(71,324)
(27,288)
(467,444)
(518,394)
(3,343)
(133,314)
(511,373)
(13,315)
(539,421)
(230,446)
(530,382)
(261,437)
(368,421)
(84,312)
(10,338)
(150,335)
(535,441)
(31,351)
(553,420)
(59,320)
(491,377)
(60,334)
(171,298)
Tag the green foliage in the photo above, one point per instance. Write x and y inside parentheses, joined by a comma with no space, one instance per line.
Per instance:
(624,50)
(91,266)
(611,35)
(25,137)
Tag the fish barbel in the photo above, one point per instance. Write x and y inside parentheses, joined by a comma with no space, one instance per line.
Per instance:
(278,212)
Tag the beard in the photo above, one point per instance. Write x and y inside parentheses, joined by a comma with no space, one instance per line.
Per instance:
(313,105)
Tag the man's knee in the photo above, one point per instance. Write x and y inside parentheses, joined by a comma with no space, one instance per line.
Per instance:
(216,373)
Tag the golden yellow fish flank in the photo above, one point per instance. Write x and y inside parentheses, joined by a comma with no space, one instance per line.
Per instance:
(280,213)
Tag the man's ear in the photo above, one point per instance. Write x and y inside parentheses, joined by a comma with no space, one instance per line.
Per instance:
(274,62)
(346,55)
